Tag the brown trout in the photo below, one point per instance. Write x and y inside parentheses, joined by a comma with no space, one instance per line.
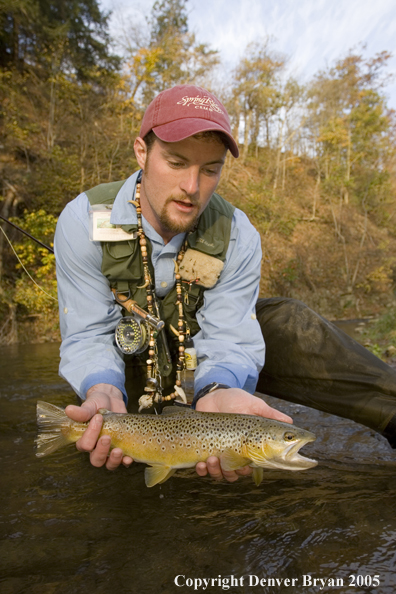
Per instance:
(179,438)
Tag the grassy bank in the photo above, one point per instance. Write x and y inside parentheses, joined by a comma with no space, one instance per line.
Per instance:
(379,336)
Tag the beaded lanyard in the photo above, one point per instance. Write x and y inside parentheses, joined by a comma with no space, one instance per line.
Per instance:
(153,387)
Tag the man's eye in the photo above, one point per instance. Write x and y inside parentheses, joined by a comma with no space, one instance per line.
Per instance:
(175,164)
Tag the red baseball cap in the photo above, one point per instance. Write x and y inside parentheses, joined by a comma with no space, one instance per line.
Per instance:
(184,110)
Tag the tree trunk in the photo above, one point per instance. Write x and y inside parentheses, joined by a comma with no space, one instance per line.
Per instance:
(348,168)
(316,194)
(51,117)
(246,134)
(278,158)
(235,128)
(8,203)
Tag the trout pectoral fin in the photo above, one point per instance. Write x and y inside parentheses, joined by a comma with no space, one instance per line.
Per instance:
(157,474)
(230,460)
(261,457)
(258,474)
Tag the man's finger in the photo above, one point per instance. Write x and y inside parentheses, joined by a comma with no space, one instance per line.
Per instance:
(201,469)
(81,414)
(245,471)
(87,442)
(279,416)
(264,410)
(98,456)
(214,469)
(114,460)
(230,476)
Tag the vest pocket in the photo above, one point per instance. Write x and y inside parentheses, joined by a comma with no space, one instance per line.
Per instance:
(121,261)
(122,249)
(194,300)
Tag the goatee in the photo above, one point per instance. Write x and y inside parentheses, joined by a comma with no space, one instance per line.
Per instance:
(176,226)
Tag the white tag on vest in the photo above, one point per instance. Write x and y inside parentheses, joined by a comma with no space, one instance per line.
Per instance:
(100,228)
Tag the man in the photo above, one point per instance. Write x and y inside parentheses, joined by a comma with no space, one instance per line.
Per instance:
(181,149)
(166,213)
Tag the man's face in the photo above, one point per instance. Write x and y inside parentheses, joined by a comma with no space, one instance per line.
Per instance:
(178,181)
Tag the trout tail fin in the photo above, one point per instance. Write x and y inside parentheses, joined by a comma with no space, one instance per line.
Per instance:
(53,428)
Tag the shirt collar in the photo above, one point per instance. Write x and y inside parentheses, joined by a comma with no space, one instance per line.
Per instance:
(124,213)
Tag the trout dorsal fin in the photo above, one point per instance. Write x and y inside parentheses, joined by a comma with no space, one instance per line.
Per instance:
(175,409)
(157,474)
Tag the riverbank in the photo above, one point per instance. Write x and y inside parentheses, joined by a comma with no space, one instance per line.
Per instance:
(379,336)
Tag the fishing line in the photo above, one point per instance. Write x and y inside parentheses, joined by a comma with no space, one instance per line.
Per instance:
(20,262)
(27,234)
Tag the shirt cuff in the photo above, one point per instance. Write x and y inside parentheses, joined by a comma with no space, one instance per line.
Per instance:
(105,377)
(223,375)
(219,375)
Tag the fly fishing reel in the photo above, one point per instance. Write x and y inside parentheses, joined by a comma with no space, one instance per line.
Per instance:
(132,335)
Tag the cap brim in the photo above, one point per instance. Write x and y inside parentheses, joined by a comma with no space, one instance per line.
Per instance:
(181,129)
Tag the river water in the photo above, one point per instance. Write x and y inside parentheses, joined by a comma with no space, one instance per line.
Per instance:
(69,528)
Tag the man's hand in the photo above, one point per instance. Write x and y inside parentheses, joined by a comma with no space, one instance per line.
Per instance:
(99,396)
(233,400)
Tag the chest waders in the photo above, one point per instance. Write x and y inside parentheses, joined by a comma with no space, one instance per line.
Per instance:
(310,361)
(122,266)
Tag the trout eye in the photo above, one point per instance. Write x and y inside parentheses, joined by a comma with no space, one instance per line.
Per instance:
(288,436)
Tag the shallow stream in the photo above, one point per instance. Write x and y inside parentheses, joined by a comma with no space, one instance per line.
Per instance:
(68,528)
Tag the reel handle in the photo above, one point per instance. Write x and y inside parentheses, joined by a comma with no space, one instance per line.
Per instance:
(132,307)
(156,323)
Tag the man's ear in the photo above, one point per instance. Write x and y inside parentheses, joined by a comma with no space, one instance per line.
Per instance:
(140,149)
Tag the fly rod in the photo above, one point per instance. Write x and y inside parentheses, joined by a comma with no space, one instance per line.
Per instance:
(28,234)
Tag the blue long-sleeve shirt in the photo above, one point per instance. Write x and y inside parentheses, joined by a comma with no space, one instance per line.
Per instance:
(230,347)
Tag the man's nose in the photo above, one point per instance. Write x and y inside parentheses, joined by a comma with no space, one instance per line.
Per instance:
(190,182)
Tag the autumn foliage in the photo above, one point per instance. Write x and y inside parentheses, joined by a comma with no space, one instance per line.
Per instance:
(316,173)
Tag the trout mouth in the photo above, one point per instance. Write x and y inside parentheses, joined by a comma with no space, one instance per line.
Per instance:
(292,457)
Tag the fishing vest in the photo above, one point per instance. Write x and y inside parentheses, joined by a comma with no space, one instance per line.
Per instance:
(122,263)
